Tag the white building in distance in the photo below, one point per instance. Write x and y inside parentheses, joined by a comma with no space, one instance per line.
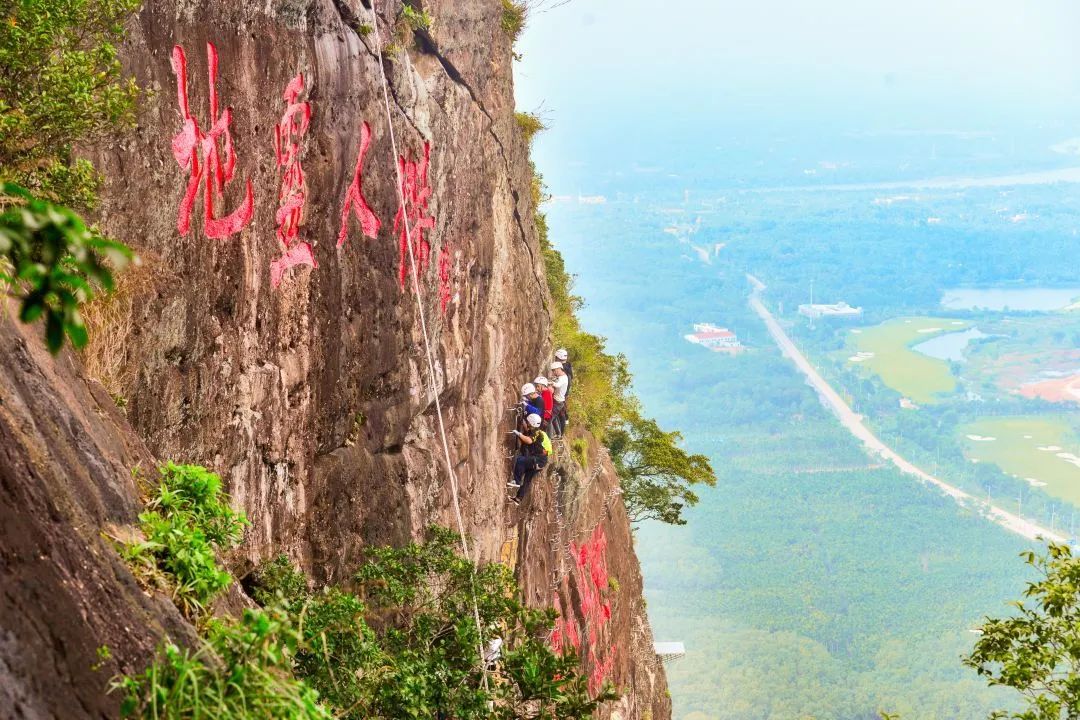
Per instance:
(715,338)
(837,310)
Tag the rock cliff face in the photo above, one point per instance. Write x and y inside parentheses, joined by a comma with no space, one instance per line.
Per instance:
(312,398)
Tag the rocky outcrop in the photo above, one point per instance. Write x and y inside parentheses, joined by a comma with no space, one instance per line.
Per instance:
(574,551)
(313,399)
(66,461)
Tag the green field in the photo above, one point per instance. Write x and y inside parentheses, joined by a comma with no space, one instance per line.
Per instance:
(886,351)
(1029,448)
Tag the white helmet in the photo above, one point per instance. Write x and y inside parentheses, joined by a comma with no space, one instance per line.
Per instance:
(561,354)
(542,381)
(528,389)
(556,366)
(533,420)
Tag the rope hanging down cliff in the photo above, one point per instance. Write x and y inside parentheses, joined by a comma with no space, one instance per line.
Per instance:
(427,339)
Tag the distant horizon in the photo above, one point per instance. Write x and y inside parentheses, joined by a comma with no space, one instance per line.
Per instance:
(752,90)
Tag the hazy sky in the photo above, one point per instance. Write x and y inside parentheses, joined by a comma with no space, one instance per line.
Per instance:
(929,60)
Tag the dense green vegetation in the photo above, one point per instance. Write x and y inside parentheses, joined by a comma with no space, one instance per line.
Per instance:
(241,670)
(61,85)
(405,644)
(186,522)
(409,648)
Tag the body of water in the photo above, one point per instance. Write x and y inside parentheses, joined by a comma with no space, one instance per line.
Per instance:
(949,346)
(1037,299)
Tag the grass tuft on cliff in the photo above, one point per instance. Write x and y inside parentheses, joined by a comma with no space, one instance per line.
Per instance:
(514,13)
(186,522)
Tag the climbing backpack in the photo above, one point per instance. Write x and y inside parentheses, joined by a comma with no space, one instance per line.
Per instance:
(545,442)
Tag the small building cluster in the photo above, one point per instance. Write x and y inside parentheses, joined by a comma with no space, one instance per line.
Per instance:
(715,338)
(836,310)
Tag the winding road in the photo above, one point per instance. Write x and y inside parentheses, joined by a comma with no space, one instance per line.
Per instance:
(854,423)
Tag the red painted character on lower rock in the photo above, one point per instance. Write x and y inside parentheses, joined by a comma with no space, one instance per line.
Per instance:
(197,152)
(590,560)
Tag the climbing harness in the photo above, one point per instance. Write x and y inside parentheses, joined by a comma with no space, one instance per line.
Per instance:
(427,344)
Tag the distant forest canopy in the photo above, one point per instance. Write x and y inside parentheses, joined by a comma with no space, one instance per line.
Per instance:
(813,581)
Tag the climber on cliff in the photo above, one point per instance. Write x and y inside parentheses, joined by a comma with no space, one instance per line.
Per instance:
(543,386)
(561,355)
(559,384)
(531,401)
(532,457)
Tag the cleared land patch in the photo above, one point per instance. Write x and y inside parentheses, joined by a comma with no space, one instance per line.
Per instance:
(885,350)
(1042,450)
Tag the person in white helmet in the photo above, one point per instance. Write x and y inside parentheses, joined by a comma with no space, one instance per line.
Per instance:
(561,355)
(531,402)
(559,385)
(532,457)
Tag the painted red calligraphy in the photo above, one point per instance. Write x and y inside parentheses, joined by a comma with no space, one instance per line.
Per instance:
(355,202)
(191,142)
(590,560)
(412,219)
(293,192)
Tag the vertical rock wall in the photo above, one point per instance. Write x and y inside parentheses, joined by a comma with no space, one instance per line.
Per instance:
(312,398)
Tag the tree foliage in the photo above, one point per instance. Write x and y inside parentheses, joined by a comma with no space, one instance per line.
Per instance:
(52,263)
(656,473)
(60,84)
(410,647)
(1036,651)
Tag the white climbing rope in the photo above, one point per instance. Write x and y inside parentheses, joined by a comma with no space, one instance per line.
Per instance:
(427,340)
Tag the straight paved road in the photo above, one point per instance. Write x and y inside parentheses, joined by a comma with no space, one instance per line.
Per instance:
(853,422)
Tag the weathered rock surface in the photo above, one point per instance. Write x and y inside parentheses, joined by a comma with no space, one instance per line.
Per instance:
(313,399)
(66,456)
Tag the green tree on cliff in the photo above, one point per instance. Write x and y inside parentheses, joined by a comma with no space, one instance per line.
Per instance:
(1036,650)
(60,85)
(657,475)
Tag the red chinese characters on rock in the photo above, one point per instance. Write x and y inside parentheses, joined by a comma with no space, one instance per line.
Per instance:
(293,193)
(412,219)
(197,152)
(355,202)
(590,560)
